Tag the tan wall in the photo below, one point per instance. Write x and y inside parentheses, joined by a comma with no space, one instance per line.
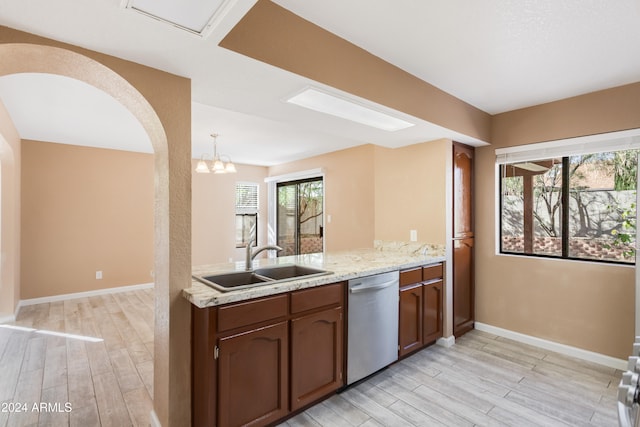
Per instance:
(68,256)
(380,193)
(9,215)
(410,191)
(581,304)
(349,195)
(85,210)
(213,213)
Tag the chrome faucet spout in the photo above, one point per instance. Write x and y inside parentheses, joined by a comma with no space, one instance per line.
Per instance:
(247,259)
(251,254)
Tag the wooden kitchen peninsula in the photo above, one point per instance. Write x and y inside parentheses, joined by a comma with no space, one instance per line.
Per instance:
(264,353)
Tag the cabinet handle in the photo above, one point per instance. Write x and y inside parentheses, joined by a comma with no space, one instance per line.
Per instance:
(216,352)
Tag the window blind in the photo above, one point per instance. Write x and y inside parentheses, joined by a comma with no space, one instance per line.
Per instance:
(246,198)
(615,141)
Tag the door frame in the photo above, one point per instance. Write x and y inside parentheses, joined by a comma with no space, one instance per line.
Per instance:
(272,202)
(297,232)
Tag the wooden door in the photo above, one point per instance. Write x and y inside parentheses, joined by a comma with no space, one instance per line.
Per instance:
(463,285)
(316,356)
(432,311)
(253,376)
(410,332)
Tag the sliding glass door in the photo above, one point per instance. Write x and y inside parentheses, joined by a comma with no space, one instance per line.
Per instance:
(299,216)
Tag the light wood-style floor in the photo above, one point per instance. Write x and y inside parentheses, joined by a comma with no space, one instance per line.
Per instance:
(108,383)
(482,380)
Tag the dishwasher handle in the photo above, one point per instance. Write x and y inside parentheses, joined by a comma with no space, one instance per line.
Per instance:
(365,288)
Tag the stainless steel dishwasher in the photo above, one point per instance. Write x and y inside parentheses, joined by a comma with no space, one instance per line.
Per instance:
(372,324)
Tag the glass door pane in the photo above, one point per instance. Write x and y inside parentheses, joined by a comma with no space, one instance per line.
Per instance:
(287,223)
(310,216)
(300,217)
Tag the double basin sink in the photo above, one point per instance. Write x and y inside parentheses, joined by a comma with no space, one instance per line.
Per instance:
(236,280)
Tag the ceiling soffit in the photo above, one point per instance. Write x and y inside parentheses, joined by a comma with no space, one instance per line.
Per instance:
(274,35)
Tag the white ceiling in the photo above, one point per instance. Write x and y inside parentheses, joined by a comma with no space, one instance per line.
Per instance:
(494,54)
(497,55)
(47,107)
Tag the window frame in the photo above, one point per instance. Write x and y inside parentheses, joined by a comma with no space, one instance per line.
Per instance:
(609,142)
(272,202)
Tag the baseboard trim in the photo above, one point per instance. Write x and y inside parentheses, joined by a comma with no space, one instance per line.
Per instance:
(8,319)
(446,341)
(567,350)
(11,317)
(105,291)
(154,421)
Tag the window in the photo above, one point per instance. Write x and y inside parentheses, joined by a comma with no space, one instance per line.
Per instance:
(579,206)
(246,212)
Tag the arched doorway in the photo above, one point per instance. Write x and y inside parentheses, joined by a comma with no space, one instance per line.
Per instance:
(172,220)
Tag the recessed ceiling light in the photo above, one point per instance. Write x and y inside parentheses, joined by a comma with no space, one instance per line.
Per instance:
(327,103)
(195,16)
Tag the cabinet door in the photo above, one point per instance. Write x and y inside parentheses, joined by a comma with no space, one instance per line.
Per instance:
(316,356)
(253,376)
(432,311)
(462,191)
(463,289)
(410,332)
(203,367)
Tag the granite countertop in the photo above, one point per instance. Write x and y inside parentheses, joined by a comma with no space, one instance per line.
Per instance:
(385,256)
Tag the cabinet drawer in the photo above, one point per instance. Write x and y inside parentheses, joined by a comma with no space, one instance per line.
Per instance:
(432,272)
(408,277)
(251,312)
(308,299)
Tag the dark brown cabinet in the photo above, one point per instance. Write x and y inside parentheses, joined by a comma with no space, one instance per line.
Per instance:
(463,191)
(463,297)
(253,376)
(463,236)
(421,302)
(316,344)
(254,362)
(316,356)
(410,336)
(252,353)
(432,311)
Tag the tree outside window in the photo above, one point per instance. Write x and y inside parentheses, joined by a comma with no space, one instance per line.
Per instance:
(578,207)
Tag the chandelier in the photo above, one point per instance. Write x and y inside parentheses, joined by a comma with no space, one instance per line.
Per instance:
(219,164)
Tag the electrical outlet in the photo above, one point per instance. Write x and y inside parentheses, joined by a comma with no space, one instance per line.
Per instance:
(413,235)
(98,275)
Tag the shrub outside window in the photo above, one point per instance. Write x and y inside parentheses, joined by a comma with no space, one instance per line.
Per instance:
(576,207)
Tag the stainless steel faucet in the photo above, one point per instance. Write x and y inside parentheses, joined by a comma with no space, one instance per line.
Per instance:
(251,254)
